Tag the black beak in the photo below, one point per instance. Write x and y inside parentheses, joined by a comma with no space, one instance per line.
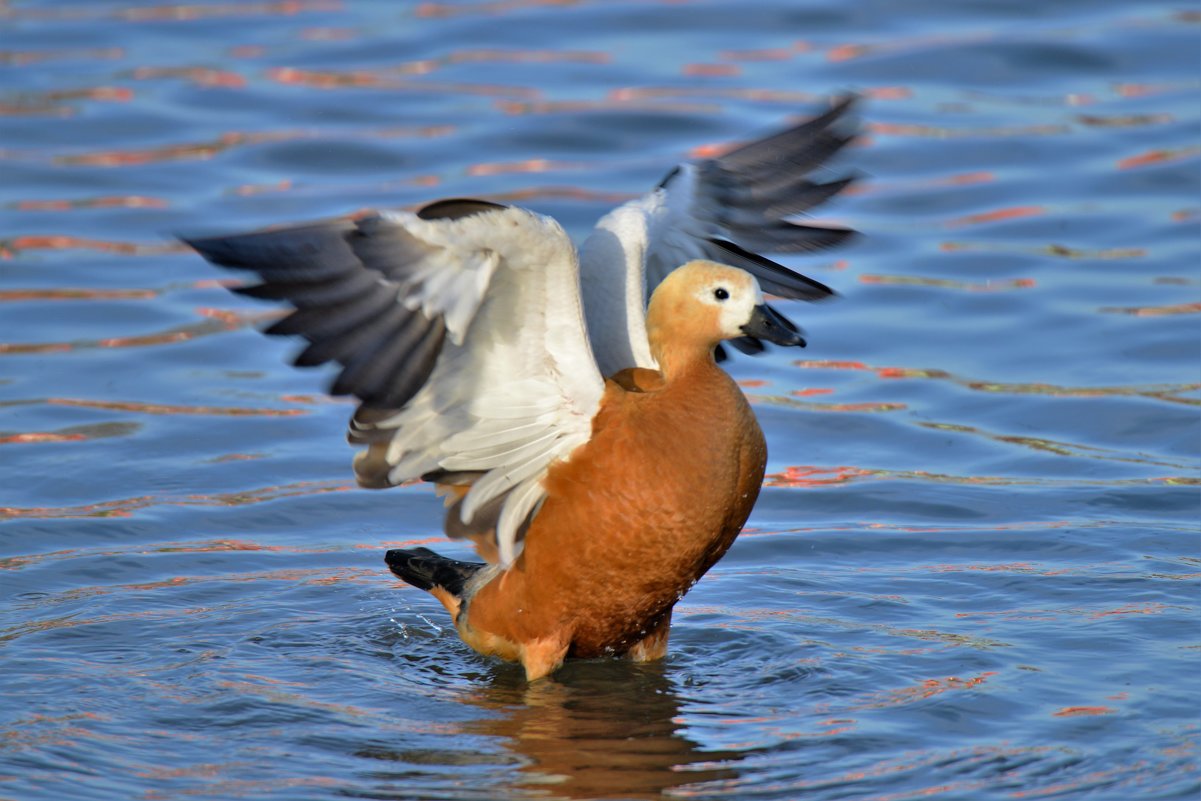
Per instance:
(767,323)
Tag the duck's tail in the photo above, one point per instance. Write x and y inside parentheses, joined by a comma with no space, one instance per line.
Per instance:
(428,571)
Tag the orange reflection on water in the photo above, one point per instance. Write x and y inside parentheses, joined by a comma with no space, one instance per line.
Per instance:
(945,132)
(947,283)
(436,10)
(927,689)
(612,103)
(207,150)
(338,79)
(184,12)
(768,54)
(328,34)
(998,215)
(860,407)
(201,76)
(630,93)
(711,70)
(1159,156)
(171,336)
(1123,120)
(20,58)
(11,247)
(23,295)
(40,436)
(1172,393)
(527,166)
(1059,251)
(103,202)
(481,54)
(811,476)
(1154,311)
(125,507)
(877,186)
(140,407)
(560,193)
(597,730)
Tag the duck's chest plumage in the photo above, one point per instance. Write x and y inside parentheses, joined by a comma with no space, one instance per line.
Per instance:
(634,517)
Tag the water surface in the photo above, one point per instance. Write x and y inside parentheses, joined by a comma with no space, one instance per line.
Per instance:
(973,571)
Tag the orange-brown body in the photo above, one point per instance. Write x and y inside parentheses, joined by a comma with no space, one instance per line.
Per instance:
(637,513)
(630,521)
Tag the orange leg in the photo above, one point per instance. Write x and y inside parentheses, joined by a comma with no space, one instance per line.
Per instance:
(654,645)
(542,657)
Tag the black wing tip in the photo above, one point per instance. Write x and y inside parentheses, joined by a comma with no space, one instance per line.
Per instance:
(456,208)
(214,249)
(425,569)
(784,282)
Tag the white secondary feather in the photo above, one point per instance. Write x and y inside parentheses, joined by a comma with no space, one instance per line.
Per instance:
(521,388)
(633,248)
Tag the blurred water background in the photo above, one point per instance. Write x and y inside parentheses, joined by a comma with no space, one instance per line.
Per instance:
(973,572)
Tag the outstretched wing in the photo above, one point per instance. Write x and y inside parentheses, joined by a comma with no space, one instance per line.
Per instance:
(726,209)
(459,328)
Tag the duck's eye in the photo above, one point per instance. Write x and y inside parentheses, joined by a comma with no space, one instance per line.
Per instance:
(720,293)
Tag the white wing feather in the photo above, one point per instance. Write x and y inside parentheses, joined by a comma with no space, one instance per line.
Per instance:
(520,390)
(460,328)
(713,209)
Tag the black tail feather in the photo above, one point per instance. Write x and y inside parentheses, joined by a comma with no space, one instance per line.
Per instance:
(425,569)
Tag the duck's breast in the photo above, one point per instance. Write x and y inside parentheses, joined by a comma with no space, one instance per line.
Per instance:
(643,509)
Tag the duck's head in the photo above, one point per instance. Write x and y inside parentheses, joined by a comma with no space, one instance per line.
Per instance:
(702,303)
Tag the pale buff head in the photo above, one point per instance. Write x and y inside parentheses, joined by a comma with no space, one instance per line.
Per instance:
(702,303)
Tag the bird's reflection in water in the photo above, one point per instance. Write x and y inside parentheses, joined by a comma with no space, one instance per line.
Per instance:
(598,729)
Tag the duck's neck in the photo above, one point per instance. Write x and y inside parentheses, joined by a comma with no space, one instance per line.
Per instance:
(679,359)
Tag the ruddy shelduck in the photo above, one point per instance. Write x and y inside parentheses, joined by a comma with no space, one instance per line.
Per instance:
(570,407)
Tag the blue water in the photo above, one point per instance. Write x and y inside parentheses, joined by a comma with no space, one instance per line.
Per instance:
(973,572)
